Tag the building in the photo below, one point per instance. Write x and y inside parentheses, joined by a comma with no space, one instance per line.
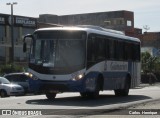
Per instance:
(150,42)
(151,39)
(117,20)
(22,26)
(45,25)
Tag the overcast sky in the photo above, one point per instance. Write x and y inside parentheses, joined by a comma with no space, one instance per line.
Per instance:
(146,12)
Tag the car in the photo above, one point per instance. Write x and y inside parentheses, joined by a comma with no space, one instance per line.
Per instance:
(9,89)
(20,78)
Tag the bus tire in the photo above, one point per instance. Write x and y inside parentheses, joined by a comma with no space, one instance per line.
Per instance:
(125,91)
(95,94)
(51,96)
(83,94)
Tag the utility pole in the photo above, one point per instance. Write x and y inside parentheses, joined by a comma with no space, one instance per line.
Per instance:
(12,31)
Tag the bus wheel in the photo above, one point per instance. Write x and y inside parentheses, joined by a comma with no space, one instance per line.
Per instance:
(51,96)
(83,94)
(94,94)
(125,91)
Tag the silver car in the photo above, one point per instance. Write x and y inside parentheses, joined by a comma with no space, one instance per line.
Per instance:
(8,89)
(20,78)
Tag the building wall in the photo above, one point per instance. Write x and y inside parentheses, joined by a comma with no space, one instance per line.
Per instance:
(151,39)
(117,20)
(22,26)
(48,18)
(46,25)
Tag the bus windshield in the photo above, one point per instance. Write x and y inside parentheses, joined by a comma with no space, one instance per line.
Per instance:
(59,49)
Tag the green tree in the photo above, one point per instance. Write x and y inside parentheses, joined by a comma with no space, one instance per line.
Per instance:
(150,63)
(9,69)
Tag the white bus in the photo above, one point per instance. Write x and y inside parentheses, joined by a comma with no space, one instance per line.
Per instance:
(85,59)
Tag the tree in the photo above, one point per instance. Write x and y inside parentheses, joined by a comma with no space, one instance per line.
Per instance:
(150,63)
(4,69)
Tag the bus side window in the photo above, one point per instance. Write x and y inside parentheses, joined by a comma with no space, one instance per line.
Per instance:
(138,55)
(96,49)
(129,51)
(92,49)
(91,57)
(120,50)
(112,49)
(136,52)
(100,46)
(107,48)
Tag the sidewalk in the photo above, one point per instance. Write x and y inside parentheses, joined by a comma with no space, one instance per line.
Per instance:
(142,85)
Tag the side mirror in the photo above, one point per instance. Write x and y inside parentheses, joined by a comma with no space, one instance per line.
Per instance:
(24,47)
(24,43)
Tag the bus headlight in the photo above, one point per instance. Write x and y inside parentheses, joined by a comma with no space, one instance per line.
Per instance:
(78,77)
(29,75)
(34,77)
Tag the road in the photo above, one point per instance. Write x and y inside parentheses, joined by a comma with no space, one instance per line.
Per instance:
(73,104)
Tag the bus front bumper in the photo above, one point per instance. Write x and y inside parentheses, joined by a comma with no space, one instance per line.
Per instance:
(43,86)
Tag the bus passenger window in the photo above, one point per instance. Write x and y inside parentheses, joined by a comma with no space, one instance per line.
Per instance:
(107,48)
(91,49)
(112,49)
(100,49)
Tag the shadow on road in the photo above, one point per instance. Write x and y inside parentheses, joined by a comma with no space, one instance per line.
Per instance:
(81,102)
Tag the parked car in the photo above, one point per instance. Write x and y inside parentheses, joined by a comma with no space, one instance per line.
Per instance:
(8,89)
(19,78)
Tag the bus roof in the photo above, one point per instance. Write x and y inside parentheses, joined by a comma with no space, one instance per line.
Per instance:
(93,29)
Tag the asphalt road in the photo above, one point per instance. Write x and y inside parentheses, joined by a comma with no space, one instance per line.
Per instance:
(72,104)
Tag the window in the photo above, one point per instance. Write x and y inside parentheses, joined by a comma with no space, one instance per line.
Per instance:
(90,49)
(128,51)
(136,52)
(2,53)
(107,48)
(111,49)
(119,53)
(129,23)
(120,21)
(132,51)
(96,49)
(17,78)
(100,46)
(23,78)
(2,33)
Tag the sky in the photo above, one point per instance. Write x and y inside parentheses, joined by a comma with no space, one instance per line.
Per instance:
(146,12)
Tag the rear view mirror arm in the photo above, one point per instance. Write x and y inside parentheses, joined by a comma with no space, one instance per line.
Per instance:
(24,41)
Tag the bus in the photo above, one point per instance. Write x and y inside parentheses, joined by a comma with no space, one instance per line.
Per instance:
(84,59)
